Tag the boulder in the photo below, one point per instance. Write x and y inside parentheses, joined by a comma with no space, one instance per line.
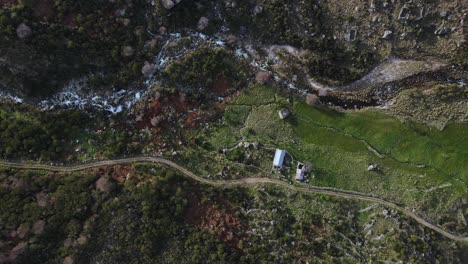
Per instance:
(18,249)
(258,9)
(203,23)
(312,99)
(148,69)
(156,120)
(42,199)
(373,167)
(68,260)
(387,34)
(231,40)
(169,4)
(38,227)
(104,184)
(284,113)
(127,51)
(23,31)
(22,231)
(322,92)
(263,77)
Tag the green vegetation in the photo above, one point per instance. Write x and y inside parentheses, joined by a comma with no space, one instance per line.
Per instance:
(203,67)
(158,216)
(437,106)
(446,150)
(27,133)
(419,165)
(85,37)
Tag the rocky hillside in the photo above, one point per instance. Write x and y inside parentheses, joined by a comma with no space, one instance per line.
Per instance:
(48,43)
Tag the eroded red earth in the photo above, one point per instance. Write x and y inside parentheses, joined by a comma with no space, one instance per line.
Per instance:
(222,221)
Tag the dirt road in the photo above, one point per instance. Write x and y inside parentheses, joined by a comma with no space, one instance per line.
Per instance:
(229,183)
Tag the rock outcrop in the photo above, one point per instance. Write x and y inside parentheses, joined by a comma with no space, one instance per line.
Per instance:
(168,4)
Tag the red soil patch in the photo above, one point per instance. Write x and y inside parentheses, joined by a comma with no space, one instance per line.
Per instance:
(221,86)
(223,222)
(118,172)
(160,107)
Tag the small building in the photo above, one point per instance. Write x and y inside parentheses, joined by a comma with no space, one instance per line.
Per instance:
(279,159)
(300,172)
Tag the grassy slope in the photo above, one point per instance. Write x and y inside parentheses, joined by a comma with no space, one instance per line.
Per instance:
(332,141)
(446,151)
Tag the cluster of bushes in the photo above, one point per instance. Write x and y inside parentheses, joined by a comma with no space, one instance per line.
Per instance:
(332,64)
(451,92)
(144,220)
(202,67)
(30,134)
(85,37)
(445,93)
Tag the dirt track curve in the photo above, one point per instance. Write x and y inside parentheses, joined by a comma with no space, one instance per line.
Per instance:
(228,183)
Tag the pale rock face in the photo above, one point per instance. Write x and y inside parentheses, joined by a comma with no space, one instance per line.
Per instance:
(104,185)
(23,231)
(38,227)
(263,77)
(168,4)
(203,23)
(387,34)
(284,113)
(127,51)
(148,69)
(23,31)
(68,260)
(312,99)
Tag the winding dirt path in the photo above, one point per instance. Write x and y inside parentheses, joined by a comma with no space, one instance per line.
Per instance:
(229,183)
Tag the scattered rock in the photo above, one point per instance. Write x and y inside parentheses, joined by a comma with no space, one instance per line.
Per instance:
(312,99)
(322,92)
(104,184)
(156,120)
(82,240)
(38,227)
(139,31)
(263,77)
(284,113)
(203,23)
(18,250)
(42,199)
(443,14)
(127,51)
(373,167)
(148,69)
(387,34)
(169,4)
(23,31)
(120,12)
(22,231)
(151,44)
(258,9)
(441,31)
(162,30)
(255,145)
(68,260)
(231,40)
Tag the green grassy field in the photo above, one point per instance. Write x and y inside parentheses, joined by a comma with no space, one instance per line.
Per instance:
(446,151)
(420,166)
